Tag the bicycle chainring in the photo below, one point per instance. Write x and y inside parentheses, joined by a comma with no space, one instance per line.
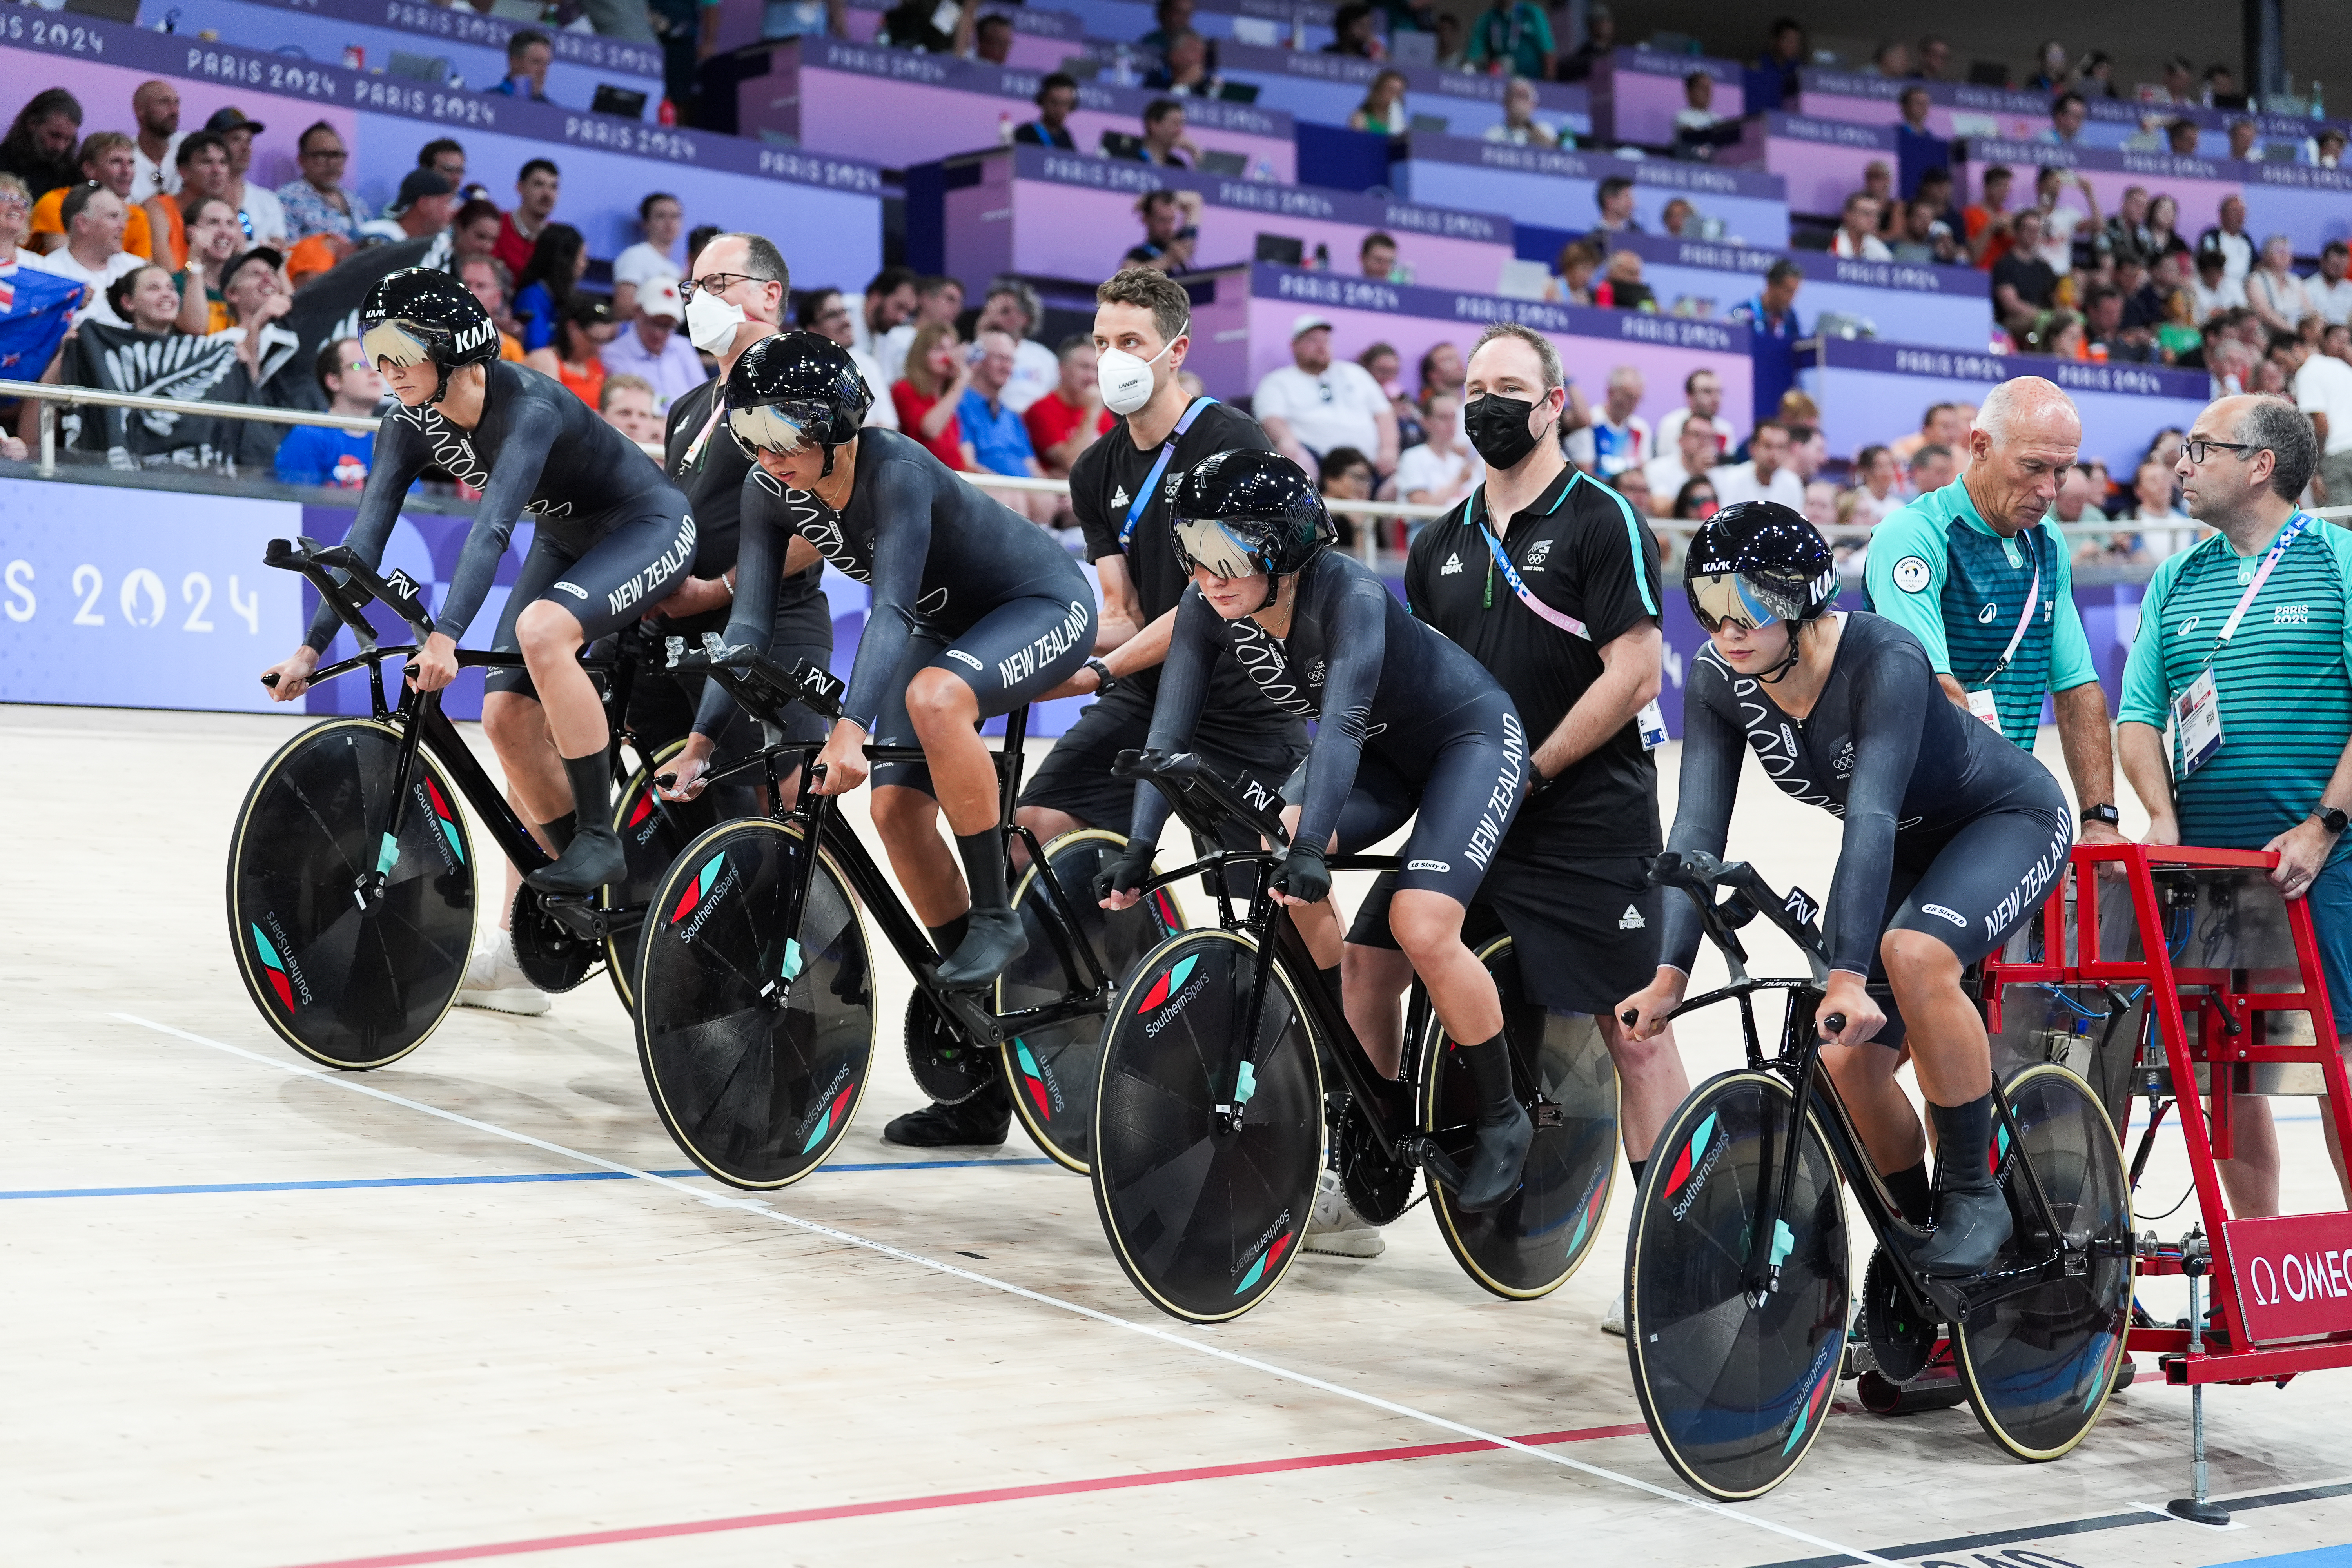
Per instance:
(1377,1187)
(946,1066)
(552,956)
(1900,1340)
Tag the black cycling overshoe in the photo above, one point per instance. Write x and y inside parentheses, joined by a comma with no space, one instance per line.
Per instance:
(1972,1217)
(979,1122)
(993,940)
(593,858)
(1495,1162)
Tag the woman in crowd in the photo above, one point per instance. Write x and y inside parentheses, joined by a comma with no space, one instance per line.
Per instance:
(2177,335)
(2164,228)
(937,371)
(1875,475)
(574,356)
(216,235)
(1695,502)
(1347,475)
(2275,291)
(1572,282)
(1383,112)
(1440,470)
(559,259)
(473,233)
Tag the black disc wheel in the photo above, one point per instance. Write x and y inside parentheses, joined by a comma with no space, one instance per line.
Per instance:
(1734,1391)
(1901,1335)
(653,832)
(2040,1363)
(756,1032)
(947,1065)
(1205,1214)
(1051,1069)
(350,981)
(1529,1244)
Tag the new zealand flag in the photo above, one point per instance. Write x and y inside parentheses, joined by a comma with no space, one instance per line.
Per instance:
(36,309)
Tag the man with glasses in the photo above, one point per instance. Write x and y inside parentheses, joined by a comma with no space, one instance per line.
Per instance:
(2245,651)
(317,203)
(826,313)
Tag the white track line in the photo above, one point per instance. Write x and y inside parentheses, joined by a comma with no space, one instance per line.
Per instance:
(1151,1332)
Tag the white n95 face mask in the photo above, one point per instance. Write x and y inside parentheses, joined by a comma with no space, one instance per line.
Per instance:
(1126,379)
(711,322)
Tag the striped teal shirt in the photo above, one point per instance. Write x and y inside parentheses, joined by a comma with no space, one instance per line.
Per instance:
(2285,681)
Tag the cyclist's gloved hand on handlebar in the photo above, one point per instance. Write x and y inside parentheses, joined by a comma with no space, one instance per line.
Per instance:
(1304,876)
(1119,881)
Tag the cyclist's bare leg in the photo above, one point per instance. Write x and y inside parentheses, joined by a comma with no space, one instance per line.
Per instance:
(1651,1083)
(1048,823)
(946,716)
(1949,1051)
(909,822)
(1881,1111)
(1428,929)
(551,639)
(1373,982)
(2249,1176)
(517,728)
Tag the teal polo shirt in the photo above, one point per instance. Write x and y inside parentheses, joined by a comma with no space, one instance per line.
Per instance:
(2285,681)
(1940,571)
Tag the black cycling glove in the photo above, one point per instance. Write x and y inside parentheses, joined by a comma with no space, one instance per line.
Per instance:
(1303,874)
(1124,871)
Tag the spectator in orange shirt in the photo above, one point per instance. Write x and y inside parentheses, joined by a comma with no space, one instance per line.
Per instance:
(1987,223)
(576,357)
(203,165)
(108,158)
(1066,421)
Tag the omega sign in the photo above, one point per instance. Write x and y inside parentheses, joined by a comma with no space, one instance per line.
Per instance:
(2294,1274)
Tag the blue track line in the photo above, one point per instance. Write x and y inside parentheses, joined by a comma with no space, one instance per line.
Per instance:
(322,1187)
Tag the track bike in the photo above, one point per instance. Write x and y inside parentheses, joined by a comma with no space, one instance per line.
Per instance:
(1211,1117)
(755,1016)
(1737,1263)
(351,872)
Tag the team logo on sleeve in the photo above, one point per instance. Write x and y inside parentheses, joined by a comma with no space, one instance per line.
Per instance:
(1911,574)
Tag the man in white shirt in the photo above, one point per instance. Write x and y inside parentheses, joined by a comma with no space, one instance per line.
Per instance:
(1857,234)
(1311,406)
(258,206)
(2328,290)
(1766,475)
(828,313)
(1013,307)
(2213,290)
(2323,389)
(889,299)
(937,298)
(2236,245)
(652,348)
(92,254)
(2058,223)
(661,218)
(1702,398)
(1696,450)
(155,105)
(1617,438)
(1441,470)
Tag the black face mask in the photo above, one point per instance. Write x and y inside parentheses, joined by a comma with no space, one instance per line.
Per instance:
(1498,429)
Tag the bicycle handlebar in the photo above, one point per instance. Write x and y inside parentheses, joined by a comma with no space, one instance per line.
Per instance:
(319,563)
(1204,800)
(1699,874)
(757,681)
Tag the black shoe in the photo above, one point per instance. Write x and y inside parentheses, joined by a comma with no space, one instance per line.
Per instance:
(593,859)
(994,940)
(1495,1164)
(979,1122)
(1971,1224)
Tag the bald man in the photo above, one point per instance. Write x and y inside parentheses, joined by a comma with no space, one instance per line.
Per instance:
(155,105)
(1976,573)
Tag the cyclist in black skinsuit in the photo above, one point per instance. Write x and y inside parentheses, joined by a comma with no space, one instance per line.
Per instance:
(976,611)
(1952,837)
(612,538)
(1411,727)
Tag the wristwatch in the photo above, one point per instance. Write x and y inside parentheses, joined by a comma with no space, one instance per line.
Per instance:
(2107,813)
(1104,679)
(2331,818)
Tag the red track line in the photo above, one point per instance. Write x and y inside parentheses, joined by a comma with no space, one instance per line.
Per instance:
(954,1499)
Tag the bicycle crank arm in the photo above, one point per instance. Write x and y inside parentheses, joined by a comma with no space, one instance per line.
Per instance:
(584,920)
(1422,1150)
(1956,1299)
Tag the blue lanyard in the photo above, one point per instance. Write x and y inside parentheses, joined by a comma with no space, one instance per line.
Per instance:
(1151,480)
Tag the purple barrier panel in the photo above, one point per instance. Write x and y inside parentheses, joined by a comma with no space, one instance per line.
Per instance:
(1304,24)
(1871,392)
(2197,183)
(897,107)
(1950,307)
(1962,109)
(1041,40)
(1822,159)
(1327,88)
(1637,93)
(1591,343)
(1072,217)
(1547,188)
(148,600)
(2309,205)
(472,46)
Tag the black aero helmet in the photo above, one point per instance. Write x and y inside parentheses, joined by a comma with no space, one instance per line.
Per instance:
(420,315)
(795,388)
(1758,562)
(1242,512)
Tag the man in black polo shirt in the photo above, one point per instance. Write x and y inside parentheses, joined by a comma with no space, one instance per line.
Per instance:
(1120,489)
(1552,581)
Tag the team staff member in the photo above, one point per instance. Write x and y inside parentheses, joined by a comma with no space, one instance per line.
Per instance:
(1551,582)
(1979,575)
(2255,625)
(1120,490)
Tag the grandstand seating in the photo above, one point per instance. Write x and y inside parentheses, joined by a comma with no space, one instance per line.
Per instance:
(1324,89)
(1636,93)
(1555,190)
(1821,161)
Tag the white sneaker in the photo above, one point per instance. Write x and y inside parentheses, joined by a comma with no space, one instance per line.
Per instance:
(1336,1228)
(494,979)
(1613,1322)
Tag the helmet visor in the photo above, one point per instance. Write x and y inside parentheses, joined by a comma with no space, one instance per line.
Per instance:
(764,429)
(1207,541)
(397,345)
(1723,597)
